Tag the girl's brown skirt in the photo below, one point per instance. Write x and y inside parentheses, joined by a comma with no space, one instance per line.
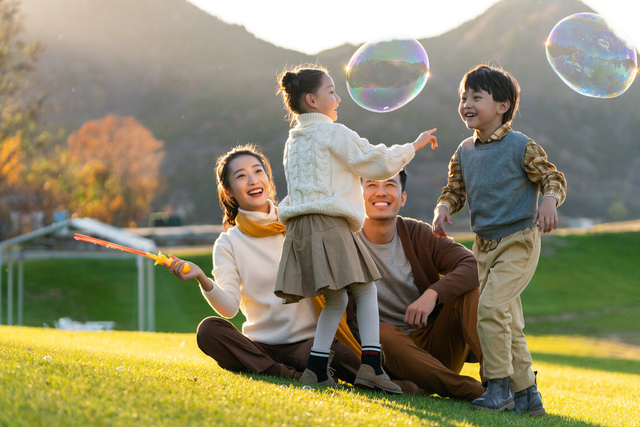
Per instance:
(321,252)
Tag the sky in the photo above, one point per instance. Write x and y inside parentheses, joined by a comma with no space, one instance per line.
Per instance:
(313,26)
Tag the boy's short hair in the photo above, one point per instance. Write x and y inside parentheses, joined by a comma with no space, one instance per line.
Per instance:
(497,82)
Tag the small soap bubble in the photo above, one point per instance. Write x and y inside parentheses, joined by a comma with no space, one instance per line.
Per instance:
(592,56)
(48,358)
(387,73)
(120,368)
(182,344)
(307,387)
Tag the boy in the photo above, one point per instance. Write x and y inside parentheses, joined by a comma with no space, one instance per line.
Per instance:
(500,173)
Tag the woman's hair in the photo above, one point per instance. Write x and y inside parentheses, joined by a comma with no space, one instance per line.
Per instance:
(229,204)
(499,83)
(294,83)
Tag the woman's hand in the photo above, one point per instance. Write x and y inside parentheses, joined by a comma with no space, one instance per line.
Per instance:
(195,272)
(177,265)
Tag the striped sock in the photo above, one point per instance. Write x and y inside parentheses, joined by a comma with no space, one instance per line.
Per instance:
(371,357)
(318,360)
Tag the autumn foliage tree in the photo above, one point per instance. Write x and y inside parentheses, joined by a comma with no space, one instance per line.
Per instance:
(113,169)
(21,144)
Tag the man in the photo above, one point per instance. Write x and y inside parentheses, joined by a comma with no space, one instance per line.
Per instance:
(428,322)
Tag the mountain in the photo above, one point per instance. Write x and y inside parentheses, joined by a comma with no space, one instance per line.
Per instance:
(202,86)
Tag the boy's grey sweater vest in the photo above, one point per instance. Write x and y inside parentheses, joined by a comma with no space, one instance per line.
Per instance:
(501,197)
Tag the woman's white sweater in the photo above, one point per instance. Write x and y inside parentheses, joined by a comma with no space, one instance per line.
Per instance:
(323,163)
(245,270)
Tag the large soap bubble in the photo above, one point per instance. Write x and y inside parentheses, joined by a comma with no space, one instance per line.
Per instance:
(385,74)
(592,56)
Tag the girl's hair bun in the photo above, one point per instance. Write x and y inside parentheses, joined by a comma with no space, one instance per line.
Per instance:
(294,82)
(290,82)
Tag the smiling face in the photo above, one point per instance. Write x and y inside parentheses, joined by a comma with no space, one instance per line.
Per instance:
(480,112)
(249,183)
(383,199)
(325,100)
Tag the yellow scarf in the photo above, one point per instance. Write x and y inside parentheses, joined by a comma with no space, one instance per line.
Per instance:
(253,229)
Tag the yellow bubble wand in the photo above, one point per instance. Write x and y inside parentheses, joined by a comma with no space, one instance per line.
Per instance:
(159,259)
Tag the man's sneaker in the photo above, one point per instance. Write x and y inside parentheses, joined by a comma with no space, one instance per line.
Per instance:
(367,378)
(529,401)
(497,397)
(310,377)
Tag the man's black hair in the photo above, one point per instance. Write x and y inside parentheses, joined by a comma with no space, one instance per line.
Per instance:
(403,178)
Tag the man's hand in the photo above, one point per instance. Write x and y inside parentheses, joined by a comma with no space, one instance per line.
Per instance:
(418,312)
(547,216)
(441,215)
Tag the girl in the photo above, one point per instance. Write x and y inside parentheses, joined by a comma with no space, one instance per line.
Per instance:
(276,339)
(323,164)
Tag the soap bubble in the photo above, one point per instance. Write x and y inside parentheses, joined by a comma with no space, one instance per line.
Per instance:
(120,368)
(592,56)
(387,73)
(48,358)
(307,387)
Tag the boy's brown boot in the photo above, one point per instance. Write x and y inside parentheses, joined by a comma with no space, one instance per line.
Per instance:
(367,378)
(310,377)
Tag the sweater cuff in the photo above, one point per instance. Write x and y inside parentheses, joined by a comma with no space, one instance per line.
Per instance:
(214,289)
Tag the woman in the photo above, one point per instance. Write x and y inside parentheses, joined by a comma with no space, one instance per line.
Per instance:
(276,339)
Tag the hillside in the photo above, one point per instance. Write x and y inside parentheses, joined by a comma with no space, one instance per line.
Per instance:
(202,85)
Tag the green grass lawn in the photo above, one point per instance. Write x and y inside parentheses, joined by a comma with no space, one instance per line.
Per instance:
(584,293)
(586,284)
(106,289)
(61,378)
(591,278)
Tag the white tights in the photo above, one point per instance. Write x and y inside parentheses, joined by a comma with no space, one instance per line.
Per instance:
(366,297)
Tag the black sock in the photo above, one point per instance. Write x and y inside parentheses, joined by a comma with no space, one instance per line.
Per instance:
(317,363)
(371,357)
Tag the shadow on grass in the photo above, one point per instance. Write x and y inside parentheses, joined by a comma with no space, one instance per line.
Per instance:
(600,364)
(449,413)
(434,410)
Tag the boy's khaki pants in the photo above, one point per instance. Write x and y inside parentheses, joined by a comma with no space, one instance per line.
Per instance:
(503,274)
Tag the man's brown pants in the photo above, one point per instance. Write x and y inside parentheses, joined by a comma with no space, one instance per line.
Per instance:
(219,339)
(433,356)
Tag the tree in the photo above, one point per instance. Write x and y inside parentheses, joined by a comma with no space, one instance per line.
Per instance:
(19,108)
(113,167)
(20,144)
